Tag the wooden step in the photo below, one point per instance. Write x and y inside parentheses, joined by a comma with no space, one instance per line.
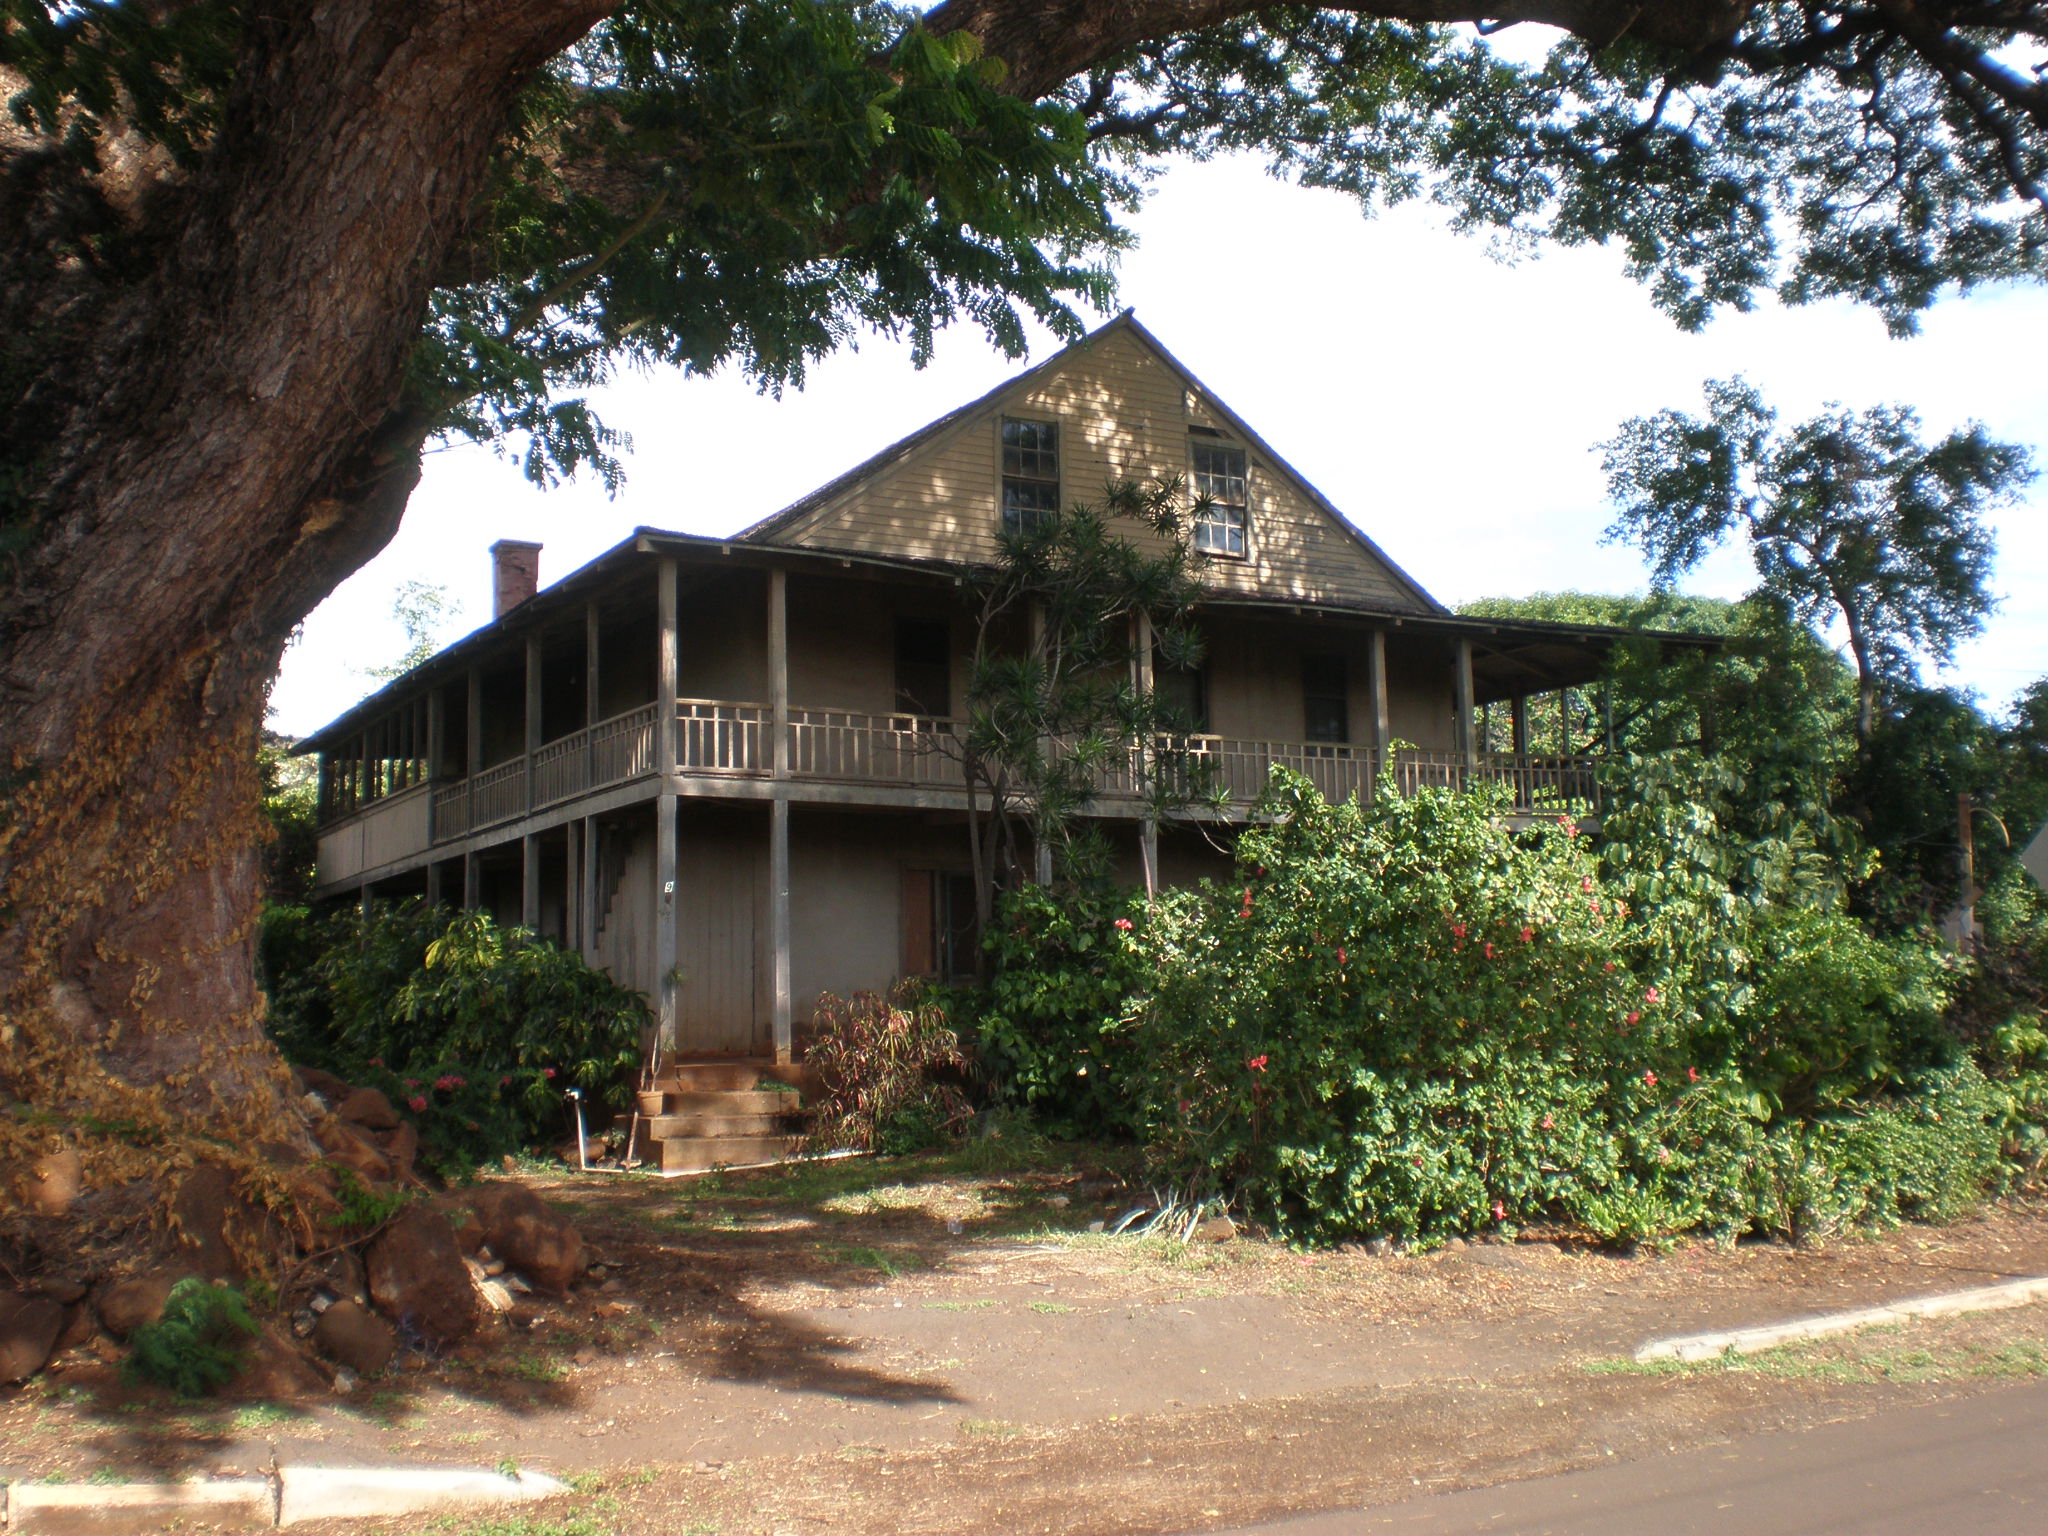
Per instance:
(713,1076)
(683,1102)
(694,1154)
(669,1127)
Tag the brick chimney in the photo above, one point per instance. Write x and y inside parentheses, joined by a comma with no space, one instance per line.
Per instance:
(515,574)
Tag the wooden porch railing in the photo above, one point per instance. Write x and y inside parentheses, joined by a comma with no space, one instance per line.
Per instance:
(718,737)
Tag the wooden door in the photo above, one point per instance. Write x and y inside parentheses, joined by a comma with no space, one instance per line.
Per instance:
(721,926)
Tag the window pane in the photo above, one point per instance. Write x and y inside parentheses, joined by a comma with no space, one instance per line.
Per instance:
(924,669)
(1026,503)
(1325,694)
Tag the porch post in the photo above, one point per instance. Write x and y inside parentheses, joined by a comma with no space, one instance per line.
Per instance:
(782,1012)
(472,882)
(473,725)
(592,712)
(437,746)
(1148,824)
(529,882)
(665,807)
(572,907)
(433,882)
(532,711)
(587,926)
(1518,724)
(1382,731)
(1468,746)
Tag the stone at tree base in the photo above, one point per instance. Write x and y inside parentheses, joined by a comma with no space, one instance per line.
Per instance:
(417,1278)
(62,1289)
(529,1235)
(129,1304)
(331,1088)
(355,1337)
(368,1108)
(80,1324)
(401,1147)
(55,1182)
(1217,1229)
(29,1326)
(352,1147)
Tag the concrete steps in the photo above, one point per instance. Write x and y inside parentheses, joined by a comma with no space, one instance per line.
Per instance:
(699,1115)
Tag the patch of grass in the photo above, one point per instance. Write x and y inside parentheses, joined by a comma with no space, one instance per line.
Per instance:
(1850,1361)
(519,1525)
(1050,1308)
(265,1416)
(888,1263)
(527,1365)
(991,1429)
(958,1306)
(106,1477)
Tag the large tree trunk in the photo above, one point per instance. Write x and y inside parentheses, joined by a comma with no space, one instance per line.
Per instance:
(228,443)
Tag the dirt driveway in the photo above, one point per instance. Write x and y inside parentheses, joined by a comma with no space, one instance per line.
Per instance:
(941,1344)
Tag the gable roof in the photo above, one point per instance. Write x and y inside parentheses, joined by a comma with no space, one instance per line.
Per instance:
(794,517)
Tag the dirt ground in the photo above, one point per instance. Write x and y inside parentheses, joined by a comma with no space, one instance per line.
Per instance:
(918,1344)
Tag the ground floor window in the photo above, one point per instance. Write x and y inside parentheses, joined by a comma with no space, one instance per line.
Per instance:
(941,937)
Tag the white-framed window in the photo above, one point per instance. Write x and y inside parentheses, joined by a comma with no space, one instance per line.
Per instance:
(1031,472)
(1222,497)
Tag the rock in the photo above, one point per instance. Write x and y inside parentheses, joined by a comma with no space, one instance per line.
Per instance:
(354,1149)
(1060,1202)
(368,1108)
(495,1295)
(401,1146)
(29,1326)
(417,1278)
(346,1381)
(530,1235)
(55,1181)
(200,1212)
(469,1232)
(331,1088)
(129,1304)
(276,1369)
(1379,1247)
(80,1324)
(61,1289)
(574,1154)
(355,1337)
(1217,1229)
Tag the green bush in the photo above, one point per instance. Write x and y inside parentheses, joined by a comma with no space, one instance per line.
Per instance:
(472,1030)
(196,1346)
(1053,1027)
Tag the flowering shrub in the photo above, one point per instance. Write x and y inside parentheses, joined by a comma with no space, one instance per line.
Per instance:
(1413,1019)
(891,1070)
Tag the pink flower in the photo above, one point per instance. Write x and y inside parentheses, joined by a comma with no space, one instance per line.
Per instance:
(1246,911)
(376,1061)
(1528,934)
(1663,1154)
(1489,951)
(1652,996)
(505,1081)
(1123,925)
(547,1072)
(1500,1212)
(1567,823)
(1257,1063)
(412,1082)
(1634,1017)
(1608,966)
(1342,958)
(1183,1106)
(1586,884)
(419,1103)
(1650,1079)
(450,1080)
(1692,1074)
(1457,930)
(1549,1124)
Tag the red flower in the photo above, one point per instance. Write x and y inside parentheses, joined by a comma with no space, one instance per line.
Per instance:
(1247,909)
(1457,930)
(376,1061)
(418,1102)
(1608,966)
(1528,933)
(1342,958)
(450,1080)
(1634,1017)
(412,1082)
(1692,1074)
(1652,996)
(547,1071)
(1500,1212)
(1257,1063)
(1586,884)
(1650,1079)
(1549,1124)
(1123,925)
(1489,951)
(505,1081)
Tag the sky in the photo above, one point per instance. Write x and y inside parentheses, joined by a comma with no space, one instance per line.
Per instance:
(1447,402)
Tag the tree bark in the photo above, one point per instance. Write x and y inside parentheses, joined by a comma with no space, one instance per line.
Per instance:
(229,443)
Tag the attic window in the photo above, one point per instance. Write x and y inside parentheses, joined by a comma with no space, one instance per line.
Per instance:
(1221,500)
(1031,473)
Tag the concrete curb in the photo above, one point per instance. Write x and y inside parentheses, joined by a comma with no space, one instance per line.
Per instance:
(290,1494)
(1750,1341)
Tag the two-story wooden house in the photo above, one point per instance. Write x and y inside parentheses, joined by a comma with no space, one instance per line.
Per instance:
(709,763)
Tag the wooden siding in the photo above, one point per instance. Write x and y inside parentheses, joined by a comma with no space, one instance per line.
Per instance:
(1124,413)
(391,829)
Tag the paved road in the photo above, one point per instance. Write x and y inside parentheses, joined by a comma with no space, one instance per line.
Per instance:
(1975,1467)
